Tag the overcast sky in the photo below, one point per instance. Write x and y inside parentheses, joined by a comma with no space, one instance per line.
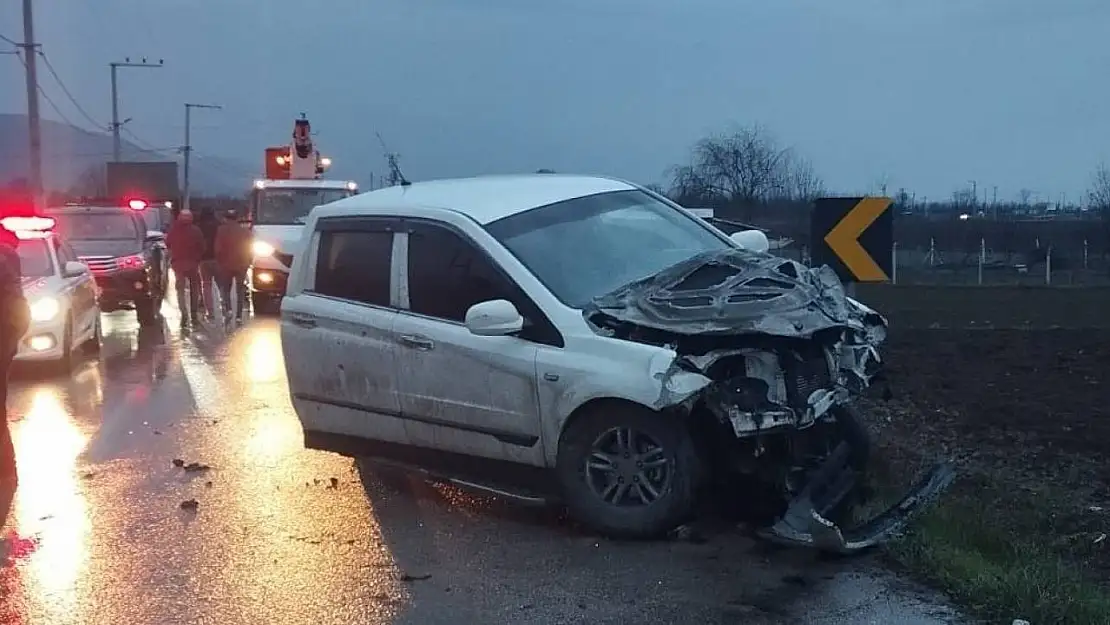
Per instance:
(928,94)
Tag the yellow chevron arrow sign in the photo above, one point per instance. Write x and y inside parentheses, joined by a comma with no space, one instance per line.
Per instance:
(843,239)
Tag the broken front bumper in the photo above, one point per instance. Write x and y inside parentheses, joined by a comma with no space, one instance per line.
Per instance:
(806,523)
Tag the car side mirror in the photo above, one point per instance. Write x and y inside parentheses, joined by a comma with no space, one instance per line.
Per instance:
(74,269)
(154,236)
(754,240)
(496,317)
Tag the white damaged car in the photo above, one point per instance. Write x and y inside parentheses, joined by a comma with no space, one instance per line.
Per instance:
(60,291)
(586,341)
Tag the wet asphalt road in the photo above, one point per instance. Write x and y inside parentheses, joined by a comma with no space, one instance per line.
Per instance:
(98,535)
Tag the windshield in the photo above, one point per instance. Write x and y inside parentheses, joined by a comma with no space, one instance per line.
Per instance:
(97,226)
(291,206)
(590,246)
(34,259)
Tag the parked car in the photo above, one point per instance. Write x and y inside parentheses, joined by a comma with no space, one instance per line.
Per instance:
(128,262)
(60,292)
(581,340)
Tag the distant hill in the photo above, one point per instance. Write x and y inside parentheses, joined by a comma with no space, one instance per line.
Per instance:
(75,157)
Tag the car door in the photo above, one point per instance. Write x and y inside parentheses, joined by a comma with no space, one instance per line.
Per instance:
(461,392)
(82,290)
(336,327)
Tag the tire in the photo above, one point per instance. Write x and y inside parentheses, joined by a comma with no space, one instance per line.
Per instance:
(65,363)
(583,488)
(94,343)
(265,304)
(146,311)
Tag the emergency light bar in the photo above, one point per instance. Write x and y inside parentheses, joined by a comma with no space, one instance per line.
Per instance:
(136,205)
(28,227)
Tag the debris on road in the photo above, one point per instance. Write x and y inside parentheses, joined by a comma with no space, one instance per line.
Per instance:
(190,504)
(405,577)
(192,467)
(334,483)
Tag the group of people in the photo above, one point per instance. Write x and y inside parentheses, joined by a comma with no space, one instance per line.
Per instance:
(208,250)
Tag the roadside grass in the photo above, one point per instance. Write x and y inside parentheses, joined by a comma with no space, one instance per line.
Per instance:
(1005,552)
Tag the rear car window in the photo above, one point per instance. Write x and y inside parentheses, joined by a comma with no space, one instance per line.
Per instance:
(97,226)
(355,265)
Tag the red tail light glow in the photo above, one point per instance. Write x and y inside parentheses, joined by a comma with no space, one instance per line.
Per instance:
(28,227)
(131,262)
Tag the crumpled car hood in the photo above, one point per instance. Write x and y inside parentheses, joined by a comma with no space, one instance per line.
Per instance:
(738,291)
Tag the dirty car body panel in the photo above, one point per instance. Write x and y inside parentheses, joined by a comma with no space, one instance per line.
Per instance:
(632,313)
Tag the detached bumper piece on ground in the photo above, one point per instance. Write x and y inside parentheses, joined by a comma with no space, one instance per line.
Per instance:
(806,524)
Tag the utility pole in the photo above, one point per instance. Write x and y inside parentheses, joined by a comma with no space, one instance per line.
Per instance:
(187,148)
(34,130)
(116,124)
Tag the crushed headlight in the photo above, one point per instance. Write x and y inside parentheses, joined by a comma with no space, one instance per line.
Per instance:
(45,309)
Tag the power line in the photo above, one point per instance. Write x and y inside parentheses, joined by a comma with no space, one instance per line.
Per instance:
(9,40)
(76,104)
(46,96)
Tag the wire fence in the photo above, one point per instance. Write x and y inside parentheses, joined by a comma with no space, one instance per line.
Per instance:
(989,266)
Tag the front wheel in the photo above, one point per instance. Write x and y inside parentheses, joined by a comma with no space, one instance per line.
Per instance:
(628,471)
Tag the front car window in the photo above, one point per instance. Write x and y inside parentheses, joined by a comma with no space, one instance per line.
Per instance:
(97,226)
(589,246)
(290,206)
(34,259)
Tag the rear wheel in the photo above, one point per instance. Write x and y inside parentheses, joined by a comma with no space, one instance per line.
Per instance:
(263,304)
(628,471)
(146,309)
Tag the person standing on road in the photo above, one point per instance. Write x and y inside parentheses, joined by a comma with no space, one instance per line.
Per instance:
(186,244)
(208,225)
(233,260)
(15,318)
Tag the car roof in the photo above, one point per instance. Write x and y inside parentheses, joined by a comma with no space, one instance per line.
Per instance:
(484,199)
(304,183)
(73,208)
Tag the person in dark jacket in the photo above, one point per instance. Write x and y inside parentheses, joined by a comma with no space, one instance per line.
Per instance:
(233,260)
(15,317)
(186,244)
(208,224)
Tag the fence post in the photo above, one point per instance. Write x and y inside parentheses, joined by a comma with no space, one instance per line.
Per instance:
(982,258)
(1085,266)
(894,263)
(1048,265)
(932,252)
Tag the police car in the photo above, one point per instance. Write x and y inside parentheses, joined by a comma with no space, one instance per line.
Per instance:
(60,290)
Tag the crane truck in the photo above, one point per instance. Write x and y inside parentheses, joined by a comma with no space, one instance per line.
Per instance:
(279,204)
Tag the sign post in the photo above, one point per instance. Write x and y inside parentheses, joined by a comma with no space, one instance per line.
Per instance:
(855,237)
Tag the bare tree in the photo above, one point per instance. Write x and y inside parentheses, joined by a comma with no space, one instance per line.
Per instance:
(1099,194)
(744,166)
(91,182)
(1024,196)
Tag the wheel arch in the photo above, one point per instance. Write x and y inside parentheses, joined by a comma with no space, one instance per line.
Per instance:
(582,411)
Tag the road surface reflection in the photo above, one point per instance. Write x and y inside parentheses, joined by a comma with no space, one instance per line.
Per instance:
(51,513)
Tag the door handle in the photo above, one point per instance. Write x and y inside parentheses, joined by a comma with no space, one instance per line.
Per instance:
(303,321)
(417,341)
